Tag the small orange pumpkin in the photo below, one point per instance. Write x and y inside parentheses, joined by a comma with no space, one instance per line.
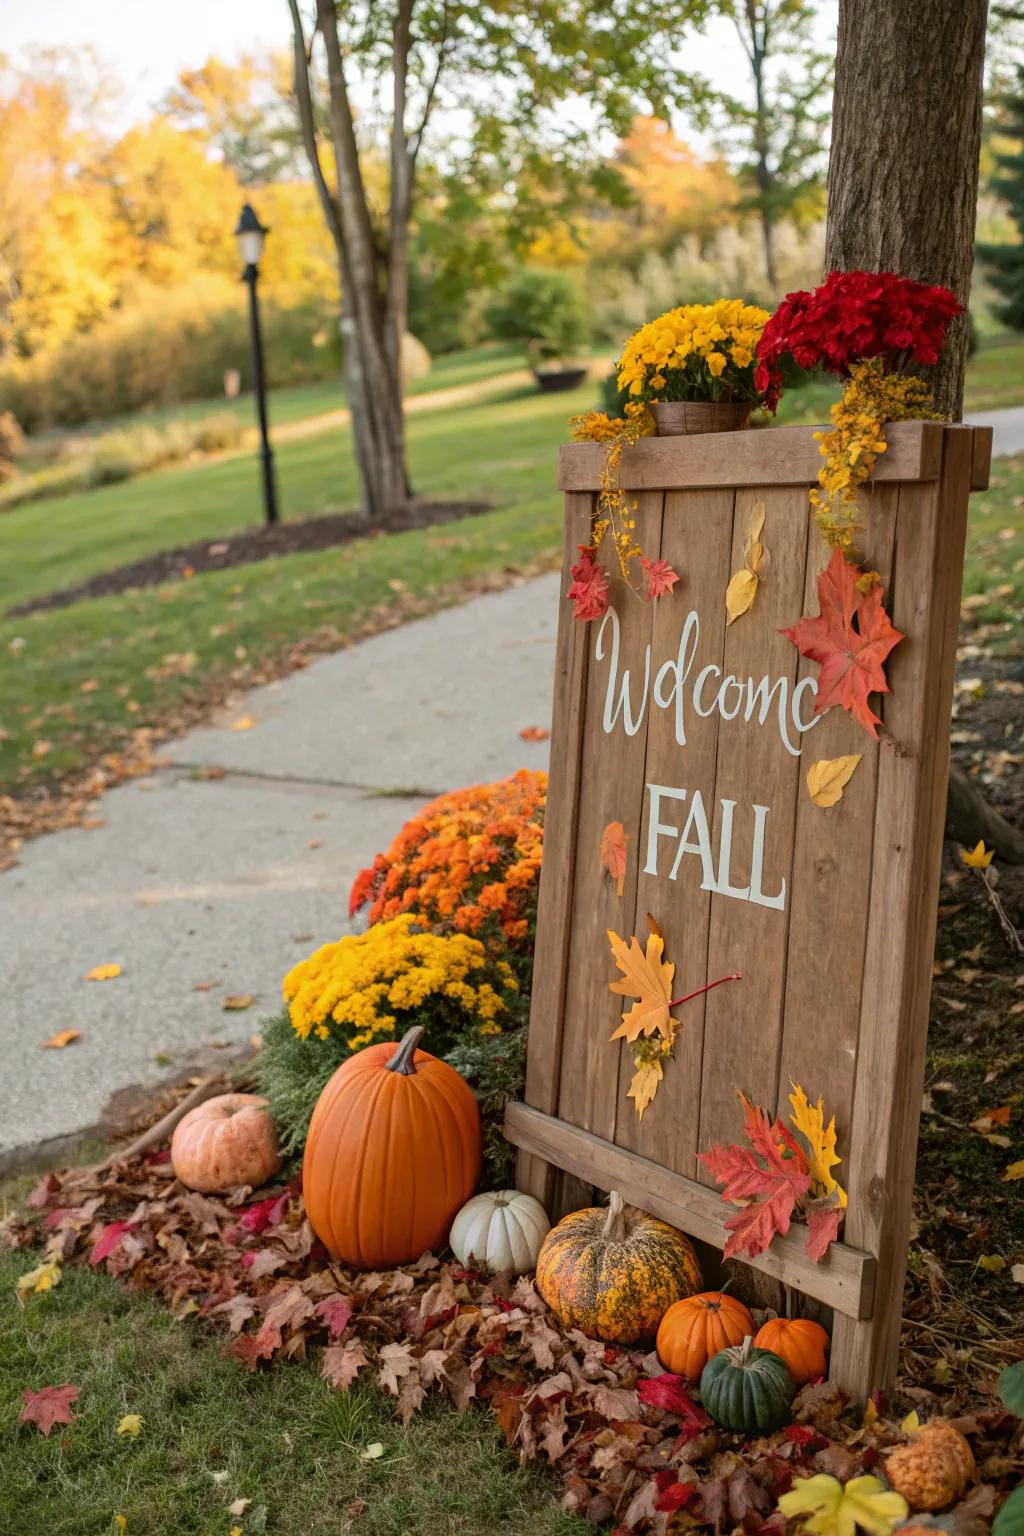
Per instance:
(801,1343)
(227,1141)
(393,1153)
(697,1327)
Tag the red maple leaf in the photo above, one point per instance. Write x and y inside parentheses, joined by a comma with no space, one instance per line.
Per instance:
(335,1311)
(850,639)
(589,591)
(668,1392)
(108,1240)
(823,1228)
(49,1407)
(672,1494)
(661,578)
(767,1178)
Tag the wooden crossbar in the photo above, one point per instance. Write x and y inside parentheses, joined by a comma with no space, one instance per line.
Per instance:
(845,1280)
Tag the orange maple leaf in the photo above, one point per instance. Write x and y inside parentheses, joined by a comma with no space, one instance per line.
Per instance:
(613,852)
(647,978)
(850,657)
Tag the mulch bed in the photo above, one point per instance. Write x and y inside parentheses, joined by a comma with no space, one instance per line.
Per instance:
(248,547)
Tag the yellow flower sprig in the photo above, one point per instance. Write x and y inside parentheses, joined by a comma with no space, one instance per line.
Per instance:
(615,517)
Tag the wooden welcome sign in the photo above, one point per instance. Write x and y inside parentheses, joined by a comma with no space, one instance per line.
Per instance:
(829,914)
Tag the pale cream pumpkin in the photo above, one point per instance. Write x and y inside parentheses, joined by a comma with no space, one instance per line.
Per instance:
(227,1141)
(500,1230)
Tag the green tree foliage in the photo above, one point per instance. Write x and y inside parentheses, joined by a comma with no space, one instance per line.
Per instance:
(245,111)
(1006,262)
(777,127)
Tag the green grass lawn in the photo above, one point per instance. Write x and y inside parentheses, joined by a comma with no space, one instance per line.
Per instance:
(158,655)
(214,1432)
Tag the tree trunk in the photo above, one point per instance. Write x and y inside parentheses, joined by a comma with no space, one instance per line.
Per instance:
(906,137)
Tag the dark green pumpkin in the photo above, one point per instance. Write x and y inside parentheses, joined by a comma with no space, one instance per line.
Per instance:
(748,1390)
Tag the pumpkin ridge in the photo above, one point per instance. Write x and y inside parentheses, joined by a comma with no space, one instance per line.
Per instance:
(451,1094)
(355,1184)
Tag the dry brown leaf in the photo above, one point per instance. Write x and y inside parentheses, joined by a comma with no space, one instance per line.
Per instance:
(62,1038)
(102,973)
(237,1002)
(613,852)
(827,778)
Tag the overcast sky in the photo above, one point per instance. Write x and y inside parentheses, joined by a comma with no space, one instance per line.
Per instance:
(146,45)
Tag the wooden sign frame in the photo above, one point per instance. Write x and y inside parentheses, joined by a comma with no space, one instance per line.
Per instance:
(837,980)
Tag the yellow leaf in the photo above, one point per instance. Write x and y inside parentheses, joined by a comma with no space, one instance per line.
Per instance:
(102,973)
(239,1506)
(646,977)
(809,1120)
(994,1263)
(372,1452)
(910,1423)
(243,723)
(43,1278)
(121,1521)
(740,594)
(131,1424)
(237,1002)
(613,852)
(645,1083)
(827,778)
(1015,1171)
(833,1510)
(979,857)
(62,1038)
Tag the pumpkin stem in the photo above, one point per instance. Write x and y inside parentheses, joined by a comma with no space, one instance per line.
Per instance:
(743,1353)
(615,1225)
(402,1061)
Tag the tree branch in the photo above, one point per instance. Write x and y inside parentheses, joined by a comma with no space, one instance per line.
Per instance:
(307,123)
(417,138)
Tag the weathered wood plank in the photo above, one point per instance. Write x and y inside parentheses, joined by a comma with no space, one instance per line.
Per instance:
(697,541)
(845,1280)
(755,769)
(906,860)
(981,457)
(611,790)
(554,908)
(779,456)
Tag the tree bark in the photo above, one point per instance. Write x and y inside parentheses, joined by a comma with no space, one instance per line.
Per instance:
(906,137)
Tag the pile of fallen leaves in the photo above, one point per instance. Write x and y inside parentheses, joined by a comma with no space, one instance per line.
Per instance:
(631,1445)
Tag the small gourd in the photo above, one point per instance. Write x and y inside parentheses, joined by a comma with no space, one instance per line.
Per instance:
(696,1328)
(614,1273)
(500,1230)
(746,1389)
(799,1341)
(933,1470)
(225,1142)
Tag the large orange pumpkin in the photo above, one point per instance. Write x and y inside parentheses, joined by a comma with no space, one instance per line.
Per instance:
(393,1152)
(798,1341)
(697,1327)
(227,1141)
(614,1273)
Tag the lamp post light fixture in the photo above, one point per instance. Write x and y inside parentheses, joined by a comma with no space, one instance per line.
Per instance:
(251,236)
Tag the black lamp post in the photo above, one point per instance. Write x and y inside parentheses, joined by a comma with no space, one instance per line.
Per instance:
(251,236)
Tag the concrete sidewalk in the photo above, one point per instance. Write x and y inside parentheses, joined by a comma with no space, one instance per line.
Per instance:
(230,880)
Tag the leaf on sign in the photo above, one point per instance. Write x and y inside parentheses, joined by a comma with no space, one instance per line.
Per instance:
(827,778)
(62,1038)
(832,1510)
(534,733)
(645,1082)
(809,1120)
(647,978)
(49,1407)
(742,589)
(822,1228)
(613,852)
(661,578)
(238,1002)
(767,1178)
(102,973)
(850,639)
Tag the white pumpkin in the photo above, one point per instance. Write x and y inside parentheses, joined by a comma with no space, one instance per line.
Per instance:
(500,1230)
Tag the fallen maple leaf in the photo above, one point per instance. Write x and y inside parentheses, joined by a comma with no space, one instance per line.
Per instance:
(336,1312)
(131,1425)
(43,1278)
(341,1364)
(851,658)
(827,778)
(661,578)
(1014,1171)
(979,857)
(238,1002)
(647,978)
(613,852)
(102,973)
(49,1407)
(669,1393)
(108,1240)
(62,1038)
(833,1510)
(588,592)
(534,733)
(243,723)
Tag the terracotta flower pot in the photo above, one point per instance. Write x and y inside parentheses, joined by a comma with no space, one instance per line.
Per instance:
(674,418)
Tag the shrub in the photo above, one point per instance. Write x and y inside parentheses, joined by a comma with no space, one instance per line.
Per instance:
(469,862)
(543,310)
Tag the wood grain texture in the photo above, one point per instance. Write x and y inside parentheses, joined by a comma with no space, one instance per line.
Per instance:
(554,905)
(981,456)
(780,456)
(905,865)
(845,1280)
